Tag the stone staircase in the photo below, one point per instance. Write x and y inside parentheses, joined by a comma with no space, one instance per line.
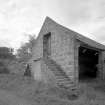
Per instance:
(63,81)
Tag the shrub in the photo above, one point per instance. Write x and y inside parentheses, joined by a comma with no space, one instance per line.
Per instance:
(3,68)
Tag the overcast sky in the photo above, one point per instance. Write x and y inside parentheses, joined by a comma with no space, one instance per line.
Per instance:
(21,17)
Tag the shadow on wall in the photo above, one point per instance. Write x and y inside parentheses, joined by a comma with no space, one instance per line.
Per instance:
(27,71)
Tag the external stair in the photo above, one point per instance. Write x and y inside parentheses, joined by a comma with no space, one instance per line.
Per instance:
(63,81)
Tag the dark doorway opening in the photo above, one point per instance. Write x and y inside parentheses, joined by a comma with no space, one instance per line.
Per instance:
(47,45)
(88,61)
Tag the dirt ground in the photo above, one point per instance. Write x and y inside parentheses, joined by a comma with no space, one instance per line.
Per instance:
(18,90)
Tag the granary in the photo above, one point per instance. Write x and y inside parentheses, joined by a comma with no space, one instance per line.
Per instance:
(64,57)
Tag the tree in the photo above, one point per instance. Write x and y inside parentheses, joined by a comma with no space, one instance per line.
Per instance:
(6,53)
(6,56)
(24,53)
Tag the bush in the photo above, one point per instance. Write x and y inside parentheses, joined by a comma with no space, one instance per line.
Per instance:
(3,68)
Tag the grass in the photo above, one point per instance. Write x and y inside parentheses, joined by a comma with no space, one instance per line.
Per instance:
(90,93)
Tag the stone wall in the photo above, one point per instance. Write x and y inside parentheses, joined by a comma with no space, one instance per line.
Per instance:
(76,66)
(62,47)
(62,51)
(101,66)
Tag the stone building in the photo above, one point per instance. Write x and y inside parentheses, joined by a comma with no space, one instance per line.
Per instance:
(64,57)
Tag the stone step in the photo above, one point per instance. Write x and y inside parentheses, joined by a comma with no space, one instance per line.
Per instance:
(63,80)
(58,72)
(61,86)
(66,82)
(55,70)
(62,77)
(64,86)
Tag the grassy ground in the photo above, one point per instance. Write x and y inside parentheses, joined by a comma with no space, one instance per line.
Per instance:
(91,93)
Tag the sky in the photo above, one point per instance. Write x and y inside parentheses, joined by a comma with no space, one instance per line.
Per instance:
(18,18)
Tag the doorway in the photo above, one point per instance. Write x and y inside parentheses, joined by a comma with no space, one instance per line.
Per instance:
(47,45)
(88,61)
